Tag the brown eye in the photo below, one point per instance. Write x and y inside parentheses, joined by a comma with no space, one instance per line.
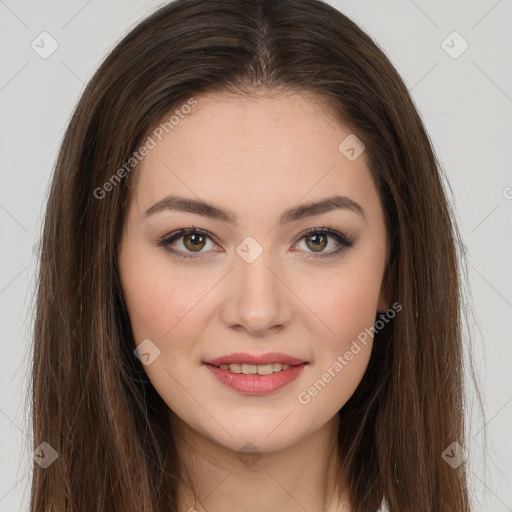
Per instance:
(318,242)
(194,242)
(317,239)
(188,243)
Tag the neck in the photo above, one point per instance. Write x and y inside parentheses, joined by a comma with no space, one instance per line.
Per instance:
(297,478)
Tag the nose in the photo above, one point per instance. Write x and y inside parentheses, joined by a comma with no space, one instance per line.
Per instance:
(257,299)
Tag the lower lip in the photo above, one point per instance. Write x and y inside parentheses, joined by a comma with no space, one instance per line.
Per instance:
(255,384)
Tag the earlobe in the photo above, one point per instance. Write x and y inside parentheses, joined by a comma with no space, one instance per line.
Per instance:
(383,304)
(384,301)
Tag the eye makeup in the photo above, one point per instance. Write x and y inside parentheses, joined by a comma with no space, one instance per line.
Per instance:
(323,233)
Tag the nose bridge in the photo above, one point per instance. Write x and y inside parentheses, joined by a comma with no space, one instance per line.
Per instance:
(257,297)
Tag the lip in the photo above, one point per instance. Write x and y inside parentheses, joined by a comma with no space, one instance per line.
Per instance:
(270,357)
(255,384)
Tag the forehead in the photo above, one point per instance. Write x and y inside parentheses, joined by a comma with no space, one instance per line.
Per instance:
(246,152)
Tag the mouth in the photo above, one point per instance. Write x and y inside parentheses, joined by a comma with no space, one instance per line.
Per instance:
(253,369)
(242,358)
(256,375)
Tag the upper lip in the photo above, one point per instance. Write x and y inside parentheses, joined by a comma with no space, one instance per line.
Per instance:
(270,357)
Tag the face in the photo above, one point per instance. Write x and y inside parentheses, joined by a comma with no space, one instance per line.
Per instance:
(258,273)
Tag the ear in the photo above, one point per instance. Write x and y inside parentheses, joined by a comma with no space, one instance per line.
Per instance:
(384,295)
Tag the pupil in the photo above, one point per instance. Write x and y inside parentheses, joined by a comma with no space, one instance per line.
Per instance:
(318,241)
(195,240)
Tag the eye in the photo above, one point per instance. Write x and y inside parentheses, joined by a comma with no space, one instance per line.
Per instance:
(317,239)
(193,240)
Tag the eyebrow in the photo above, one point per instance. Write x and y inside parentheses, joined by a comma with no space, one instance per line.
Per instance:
(298,212)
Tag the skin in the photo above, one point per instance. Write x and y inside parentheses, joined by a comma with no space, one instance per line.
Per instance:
(255,156)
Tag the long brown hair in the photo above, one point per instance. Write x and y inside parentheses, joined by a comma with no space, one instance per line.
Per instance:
(92,401)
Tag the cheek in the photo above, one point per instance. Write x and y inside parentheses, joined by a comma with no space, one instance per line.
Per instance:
(342,357)
(346,303)
(160,306)
(159,298)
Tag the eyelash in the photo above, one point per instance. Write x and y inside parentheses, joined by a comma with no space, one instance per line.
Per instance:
(344,241)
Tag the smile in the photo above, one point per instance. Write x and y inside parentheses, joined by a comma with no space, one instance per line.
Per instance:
(252,369)
(249,379)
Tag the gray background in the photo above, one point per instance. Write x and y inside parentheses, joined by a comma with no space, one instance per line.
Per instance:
(465,102)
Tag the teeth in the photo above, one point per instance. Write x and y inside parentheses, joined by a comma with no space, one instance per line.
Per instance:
(252,369)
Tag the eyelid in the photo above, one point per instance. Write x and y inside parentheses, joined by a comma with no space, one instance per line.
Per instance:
(176,235)
(345,242)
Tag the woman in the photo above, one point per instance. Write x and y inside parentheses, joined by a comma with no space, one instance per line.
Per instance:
(249,293)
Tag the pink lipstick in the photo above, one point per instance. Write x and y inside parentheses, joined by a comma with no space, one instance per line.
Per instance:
(256,375)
